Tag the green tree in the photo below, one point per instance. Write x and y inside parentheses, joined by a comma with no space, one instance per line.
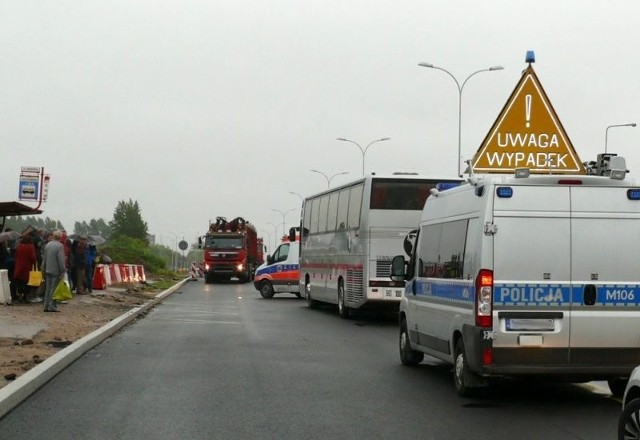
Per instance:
(21,222)
(94,227)
(127,221)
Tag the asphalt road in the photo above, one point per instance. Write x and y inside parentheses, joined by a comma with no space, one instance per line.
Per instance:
(219,362)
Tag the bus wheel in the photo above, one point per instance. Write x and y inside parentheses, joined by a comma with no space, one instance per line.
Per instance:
(462,377)
(343,310)
(408,356)
(266,289)
(311,303)
(298,294)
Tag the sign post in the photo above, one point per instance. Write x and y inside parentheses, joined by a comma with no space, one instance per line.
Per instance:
(33,185)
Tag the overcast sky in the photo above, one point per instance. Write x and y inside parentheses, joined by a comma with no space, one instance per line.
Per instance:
(198,109)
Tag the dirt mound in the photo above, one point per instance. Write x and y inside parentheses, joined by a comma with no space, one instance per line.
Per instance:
(31,335)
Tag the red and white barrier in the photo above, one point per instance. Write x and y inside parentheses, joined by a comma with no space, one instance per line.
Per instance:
(106,275)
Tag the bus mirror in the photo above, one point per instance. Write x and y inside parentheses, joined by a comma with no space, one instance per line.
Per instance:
(199,242)
(397,268)
(292,234)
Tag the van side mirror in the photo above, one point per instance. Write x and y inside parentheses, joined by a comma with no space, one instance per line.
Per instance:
(398,268)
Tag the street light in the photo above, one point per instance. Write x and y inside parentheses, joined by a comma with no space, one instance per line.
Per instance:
(283,214)
(460,88)
(329,179)
(173,259)
(606,132)
(363,150)
(268,235)
(296,194)
(275,235)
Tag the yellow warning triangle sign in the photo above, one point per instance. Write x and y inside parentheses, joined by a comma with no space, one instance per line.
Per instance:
(527,134)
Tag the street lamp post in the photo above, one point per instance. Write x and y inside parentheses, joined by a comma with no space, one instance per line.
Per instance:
(296,194)
(460,89)
(268,235)
(173,251)
(362,150)
(329,179)
(606,132)
(283,214)
(275,236)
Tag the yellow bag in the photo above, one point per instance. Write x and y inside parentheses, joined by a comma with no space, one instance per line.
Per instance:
(35,277)
(62,292)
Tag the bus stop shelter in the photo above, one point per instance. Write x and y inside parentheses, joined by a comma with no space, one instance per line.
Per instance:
(12,209)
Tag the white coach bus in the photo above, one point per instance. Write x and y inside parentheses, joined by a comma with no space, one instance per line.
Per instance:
(350,234)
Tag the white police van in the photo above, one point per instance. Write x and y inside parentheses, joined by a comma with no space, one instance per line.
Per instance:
(537,275)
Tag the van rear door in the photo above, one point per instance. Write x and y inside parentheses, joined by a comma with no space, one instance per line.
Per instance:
(532,292)
(605,242)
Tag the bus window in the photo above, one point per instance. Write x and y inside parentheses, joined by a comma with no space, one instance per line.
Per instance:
(315,208)
(306,222)
(355,203)
(324,207)
(343,208)
(399,194)
(332,215)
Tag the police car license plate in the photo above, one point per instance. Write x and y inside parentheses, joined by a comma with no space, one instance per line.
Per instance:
(520,324)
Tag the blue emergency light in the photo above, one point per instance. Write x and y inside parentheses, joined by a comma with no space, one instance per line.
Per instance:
(531,57)
(442,186)
(633,194)
(504,192)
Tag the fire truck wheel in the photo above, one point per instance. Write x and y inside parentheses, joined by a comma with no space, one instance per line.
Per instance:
(266,289)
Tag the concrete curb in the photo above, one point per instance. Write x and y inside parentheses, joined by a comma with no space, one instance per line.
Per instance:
(14,393)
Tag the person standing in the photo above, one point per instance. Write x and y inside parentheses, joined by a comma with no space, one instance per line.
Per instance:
(91,263)
(54,268)
(80,262)
(26,261)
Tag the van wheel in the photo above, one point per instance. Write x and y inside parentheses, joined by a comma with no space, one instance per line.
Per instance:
(311,303)
(266,289)
(343,310)
(629,420)
(462,377)
(617,385)
(408,356)
(298,294)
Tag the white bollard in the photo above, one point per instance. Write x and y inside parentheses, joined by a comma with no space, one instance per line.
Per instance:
(5,292)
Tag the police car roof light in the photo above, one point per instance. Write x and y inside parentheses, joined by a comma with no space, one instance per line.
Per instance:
(633,194)
(531,57)
(504,192)
(442,186)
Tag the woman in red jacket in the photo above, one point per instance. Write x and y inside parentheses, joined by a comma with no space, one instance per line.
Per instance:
(25,261)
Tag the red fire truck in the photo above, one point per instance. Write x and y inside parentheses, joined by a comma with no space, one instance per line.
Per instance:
(230,250)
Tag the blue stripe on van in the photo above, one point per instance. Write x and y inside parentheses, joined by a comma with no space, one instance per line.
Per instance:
(458,291)
(548,294)
(274,268)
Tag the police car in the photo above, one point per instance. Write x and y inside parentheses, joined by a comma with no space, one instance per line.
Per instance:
(526,275)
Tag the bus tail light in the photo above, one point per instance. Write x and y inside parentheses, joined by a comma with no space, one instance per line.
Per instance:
(484,298)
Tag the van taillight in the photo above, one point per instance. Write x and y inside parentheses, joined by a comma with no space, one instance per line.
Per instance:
(484,298)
